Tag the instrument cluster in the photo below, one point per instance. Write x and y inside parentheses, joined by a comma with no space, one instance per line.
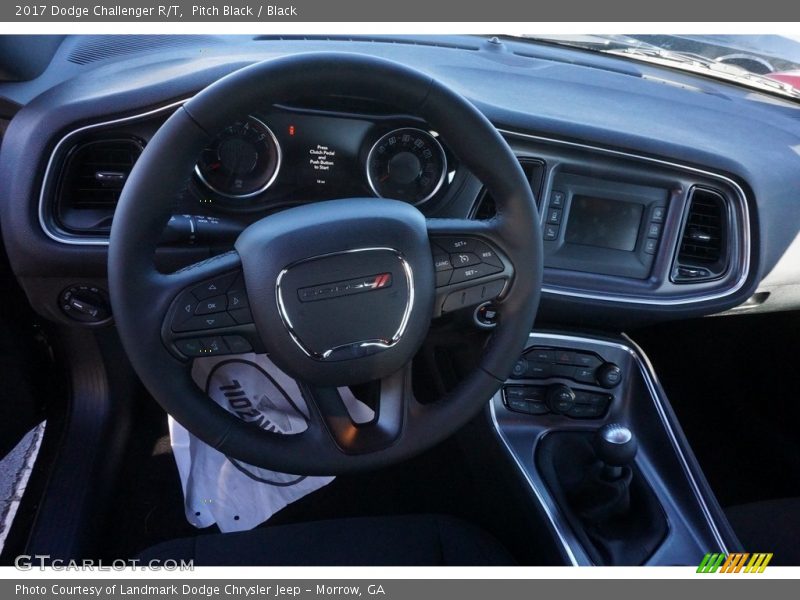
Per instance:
(286,157)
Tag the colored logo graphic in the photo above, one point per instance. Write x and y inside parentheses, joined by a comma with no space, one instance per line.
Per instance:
(735,563)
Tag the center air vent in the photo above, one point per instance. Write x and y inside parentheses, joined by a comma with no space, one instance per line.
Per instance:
(534,172)
(703,254)
(91,183)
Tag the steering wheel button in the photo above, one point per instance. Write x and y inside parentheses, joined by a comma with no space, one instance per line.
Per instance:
(487,255)
(215,287)
(456,244)
(202,322)
(443,278)
(189,348)
(237,344)
(237,300)
(473,272)
(242,316)
(211,305)
(464,259)
(213,346)
(441,262)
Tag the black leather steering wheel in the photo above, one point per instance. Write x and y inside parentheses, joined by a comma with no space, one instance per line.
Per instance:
(371,257)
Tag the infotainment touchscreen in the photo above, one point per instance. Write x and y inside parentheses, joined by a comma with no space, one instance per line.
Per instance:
(603,223)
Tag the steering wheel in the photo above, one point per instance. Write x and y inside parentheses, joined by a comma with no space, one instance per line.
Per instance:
(339,292)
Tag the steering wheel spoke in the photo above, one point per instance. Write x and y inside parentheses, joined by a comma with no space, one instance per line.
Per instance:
(470,267)
(209,314)
(353,435)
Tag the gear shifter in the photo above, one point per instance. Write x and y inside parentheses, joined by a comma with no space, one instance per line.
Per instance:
(616,448)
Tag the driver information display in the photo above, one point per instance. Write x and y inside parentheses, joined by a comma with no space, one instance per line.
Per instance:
(603,223)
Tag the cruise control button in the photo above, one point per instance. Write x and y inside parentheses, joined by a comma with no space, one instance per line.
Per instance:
(237,300)
(464,259)
(487,255)
(211,305)
(199,323)
(453,245)
(441,262)
(215,287)
(473,272)
(443,277)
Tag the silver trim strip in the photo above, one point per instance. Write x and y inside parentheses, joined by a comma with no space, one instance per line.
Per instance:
(43,223)
(384,344)
(741,197)
(442,176)
(654,387)
(651,381)
(559,533)
(263,188)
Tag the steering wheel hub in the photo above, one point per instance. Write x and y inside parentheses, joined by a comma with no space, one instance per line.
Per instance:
(341,292)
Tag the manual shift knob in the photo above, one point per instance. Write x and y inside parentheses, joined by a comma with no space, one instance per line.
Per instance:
(616,447)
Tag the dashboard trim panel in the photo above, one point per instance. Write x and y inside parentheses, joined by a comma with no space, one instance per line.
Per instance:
(741,198)
(43,216)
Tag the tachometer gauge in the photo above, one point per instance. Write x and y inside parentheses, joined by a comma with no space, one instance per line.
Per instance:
(406,164)
(242,161)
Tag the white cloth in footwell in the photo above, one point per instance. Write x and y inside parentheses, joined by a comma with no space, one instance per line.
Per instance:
(219,489)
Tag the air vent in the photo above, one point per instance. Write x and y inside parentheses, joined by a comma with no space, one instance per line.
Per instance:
(91,183)
(533,168)
(702,254)
(101,47)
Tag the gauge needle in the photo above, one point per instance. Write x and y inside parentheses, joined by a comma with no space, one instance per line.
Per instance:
(215,166)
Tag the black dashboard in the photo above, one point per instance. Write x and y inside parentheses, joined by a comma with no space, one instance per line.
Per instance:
(661,195)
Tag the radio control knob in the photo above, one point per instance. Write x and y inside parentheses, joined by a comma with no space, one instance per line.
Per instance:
(560,398)
(608,375)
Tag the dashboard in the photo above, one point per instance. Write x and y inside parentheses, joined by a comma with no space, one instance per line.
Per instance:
(656,200)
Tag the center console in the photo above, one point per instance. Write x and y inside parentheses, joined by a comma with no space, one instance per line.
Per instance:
(586,422)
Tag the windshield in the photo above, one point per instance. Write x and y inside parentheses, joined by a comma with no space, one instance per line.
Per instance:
(766,62)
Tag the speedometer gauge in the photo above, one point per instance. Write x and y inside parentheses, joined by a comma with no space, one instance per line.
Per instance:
(406,164)
(242,161)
